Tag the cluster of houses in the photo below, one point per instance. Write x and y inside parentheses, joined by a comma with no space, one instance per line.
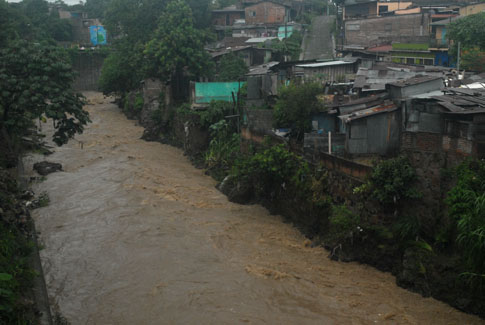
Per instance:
(391,87)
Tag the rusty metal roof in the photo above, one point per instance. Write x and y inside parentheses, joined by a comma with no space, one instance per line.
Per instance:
(386,107)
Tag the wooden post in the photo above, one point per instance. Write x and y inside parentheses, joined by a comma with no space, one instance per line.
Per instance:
(329,142)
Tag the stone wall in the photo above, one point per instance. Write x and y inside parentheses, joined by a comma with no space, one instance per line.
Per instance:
(88,65)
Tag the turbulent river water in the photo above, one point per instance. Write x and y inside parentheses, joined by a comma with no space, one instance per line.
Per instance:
(134,234)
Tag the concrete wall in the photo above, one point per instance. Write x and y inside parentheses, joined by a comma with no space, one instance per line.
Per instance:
(472,9)
(265,13)
(382,30)
(260,120)
(88,65)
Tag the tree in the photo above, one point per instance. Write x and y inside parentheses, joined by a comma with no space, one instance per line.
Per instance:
(121,70)
(290,46)
(469,31)
(96,8)
(177,47)
(35,83)
(295,106)
(232,68)
(133,19)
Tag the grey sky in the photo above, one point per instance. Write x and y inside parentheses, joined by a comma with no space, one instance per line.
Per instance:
(69,2)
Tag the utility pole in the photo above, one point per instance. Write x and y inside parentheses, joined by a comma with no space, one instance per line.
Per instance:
(458,58)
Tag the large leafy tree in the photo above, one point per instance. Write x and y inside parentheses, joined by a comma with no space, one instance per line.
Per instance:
(121,70)
(470,32)
(133,19)
(177,46)
(231,68)
(295,106)
(35,83)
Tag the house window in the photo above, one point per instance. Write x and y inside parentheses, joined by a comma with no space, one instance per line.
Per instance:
(428,62)
(252,13)
(383,9)
(410,60)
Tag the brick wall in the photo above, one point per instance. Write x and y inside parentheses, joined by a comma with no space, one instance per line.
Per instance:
(265,13)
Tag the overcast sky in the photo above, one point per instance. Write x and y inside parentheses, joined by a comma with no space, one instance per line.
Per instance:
(69,2)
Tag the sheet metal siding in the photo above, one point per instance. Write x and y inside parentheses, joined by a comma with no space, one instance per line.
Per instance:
(376,134)
(331,73)
(325,122)
(205,92)
(430,123)
(422,88)
(254,86)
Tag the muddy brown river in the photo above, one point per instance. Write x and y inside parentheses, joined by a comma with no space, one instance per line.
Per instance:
(134,234)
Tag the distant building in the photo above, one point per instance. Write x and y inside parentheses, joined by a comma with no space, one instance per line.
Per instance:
(361,9)
(331,71)
(85,31)
(267,13)
(413,28)
(227,16)
(472,9)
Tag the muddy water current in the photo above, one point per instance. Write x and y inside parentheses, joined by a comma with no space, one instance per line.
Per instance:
(134,234)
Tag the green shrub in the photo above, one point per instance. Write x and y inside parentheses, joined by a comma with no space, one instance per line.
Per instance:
(466,205)
(272,169)
(223,147)
(391,182)
(295,106)
(343,224)
(139,102)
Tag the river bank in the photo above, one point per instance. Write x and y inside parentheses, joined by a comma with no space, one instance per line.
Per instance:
(416,243)
(135,234)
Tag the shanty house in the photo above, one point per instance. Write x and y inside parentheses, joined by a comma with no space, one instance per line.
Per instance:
(375,130)
(332,71)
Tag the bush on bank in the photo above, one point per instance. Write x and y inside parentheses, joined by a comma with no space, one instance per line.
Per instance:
(16,275)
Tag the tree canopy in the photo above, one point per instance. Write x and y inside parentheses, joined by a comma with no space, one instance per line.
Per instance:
(177,46)
(35,83)
(470,32)
(231,68)
(295,106)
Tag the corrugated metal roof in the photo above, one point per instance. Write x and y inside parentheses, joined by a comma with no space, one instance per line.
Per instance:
(430,94)
(324,64)
(260,39)
(462,101)
(262,69)
(384,108)
(414,81)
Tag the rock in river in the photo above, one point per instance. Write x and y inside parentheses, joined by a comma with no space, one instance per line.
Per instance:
(45,167)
